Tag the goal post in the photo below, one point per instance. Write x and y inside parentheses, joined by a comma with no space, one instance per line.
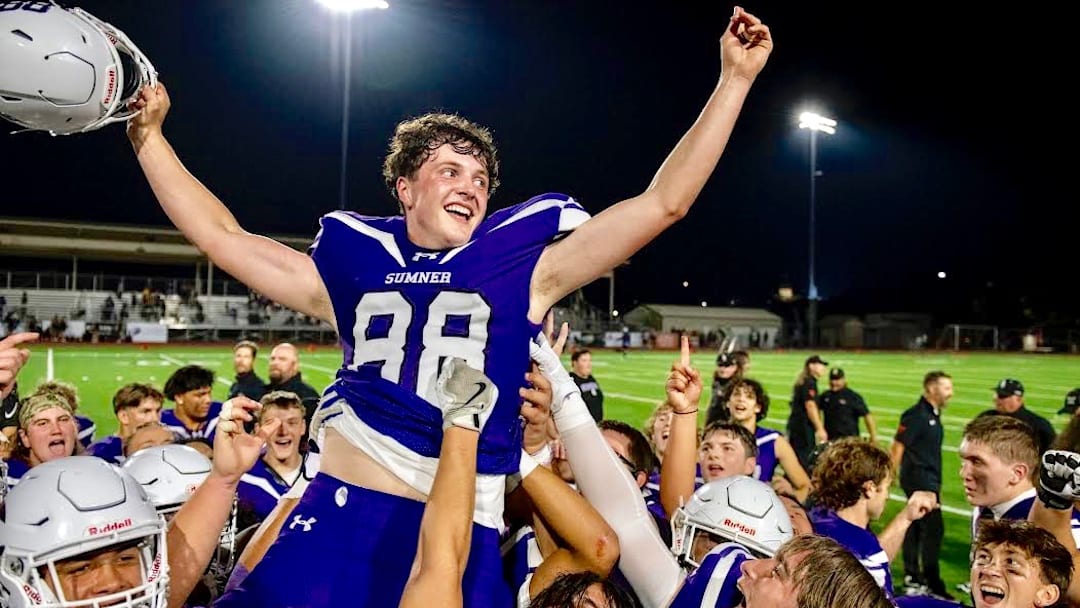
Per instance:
(968,337)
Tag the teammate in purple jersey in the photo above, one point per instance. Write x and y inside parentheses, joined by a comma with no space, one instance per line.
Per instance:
(194,414)
(807,571)
(748,404)
(134,405)
(851,486)
(404,293)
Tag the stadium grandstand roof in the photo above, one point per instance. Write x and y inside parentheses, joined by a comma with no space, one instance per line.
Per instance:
(727,313)
(143,244)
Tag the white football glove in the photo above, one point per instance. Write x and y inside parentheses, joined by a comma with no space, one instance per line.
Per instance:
(466,396)
(562,385)
(1059,479)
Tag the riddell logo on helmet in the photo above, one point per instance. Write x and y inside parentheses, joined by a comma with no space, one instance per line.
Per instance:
(108,528)
(155,569)
(110,86)
(741,527)
(32,593)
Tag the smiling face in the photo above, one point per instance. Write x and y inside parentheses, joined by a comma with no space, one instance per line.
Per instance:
(99,574)
(938,393)
(284,444)
(1002,576)
(445,200)
(661,430)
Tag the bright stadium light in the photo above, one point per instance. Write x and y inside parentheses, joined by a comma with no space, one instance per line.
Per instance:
(346,8)
(350,6)
(817,122)
(814,123)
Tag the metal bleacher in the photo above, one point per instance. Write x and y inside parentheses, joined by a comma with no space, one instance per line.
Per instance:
(212,307)
(203,318)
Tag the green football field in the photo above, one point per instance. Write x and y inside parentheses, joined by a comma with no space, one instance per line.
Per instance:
(632,385)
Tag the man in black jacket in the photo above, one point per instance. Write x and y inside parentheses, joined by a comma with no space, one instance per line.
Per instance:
(1009,401)
(247,383)
(285,376)
(916,452)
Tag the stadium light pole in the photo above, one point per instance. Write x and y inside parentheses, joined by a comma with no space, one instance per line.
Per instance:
(347,8)
(815,123)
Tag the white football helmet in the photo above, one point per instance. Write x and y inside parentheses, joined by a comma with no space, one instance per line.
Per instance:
(68,507)
(169,474)
(65,71)
(738,509)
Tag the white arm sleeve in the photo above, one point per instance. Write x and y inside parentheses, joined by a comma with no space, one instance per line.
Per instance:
(644,559)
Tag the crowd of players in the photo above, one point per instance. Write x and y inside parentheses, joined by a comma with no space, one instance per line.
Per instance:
(453,460)
(713,516)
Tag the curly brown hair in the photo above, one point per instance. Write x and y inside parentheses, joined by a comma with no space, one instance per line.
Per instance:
(844,468)
(416,140)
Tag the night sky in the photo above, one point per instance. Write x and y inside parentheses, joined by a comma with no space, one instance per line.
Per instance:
(950,156)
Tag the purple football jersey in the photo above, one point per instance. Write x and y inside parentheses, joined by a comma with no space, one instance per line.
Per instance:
(712,585)
(766,458)
(401,310)
(205,429)
(109,449)
(859,541)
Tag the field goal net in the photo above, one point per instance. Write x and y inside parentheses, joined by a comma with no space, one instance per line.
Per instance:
(968,337)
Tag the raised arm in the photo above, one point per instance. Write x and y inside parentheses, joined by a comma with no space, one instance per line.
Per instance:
(618,232)
(277,271)
(645,560)
(12,358)
(572,535)
(195,531)
(677,471)
(1059,493)
(446,527)
(918,505)
(587,541)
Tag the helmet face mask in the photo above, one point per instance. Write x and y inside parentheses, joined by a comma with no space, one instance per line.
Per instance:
(735,509)
(65,71)
(79,512)
(43,583)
